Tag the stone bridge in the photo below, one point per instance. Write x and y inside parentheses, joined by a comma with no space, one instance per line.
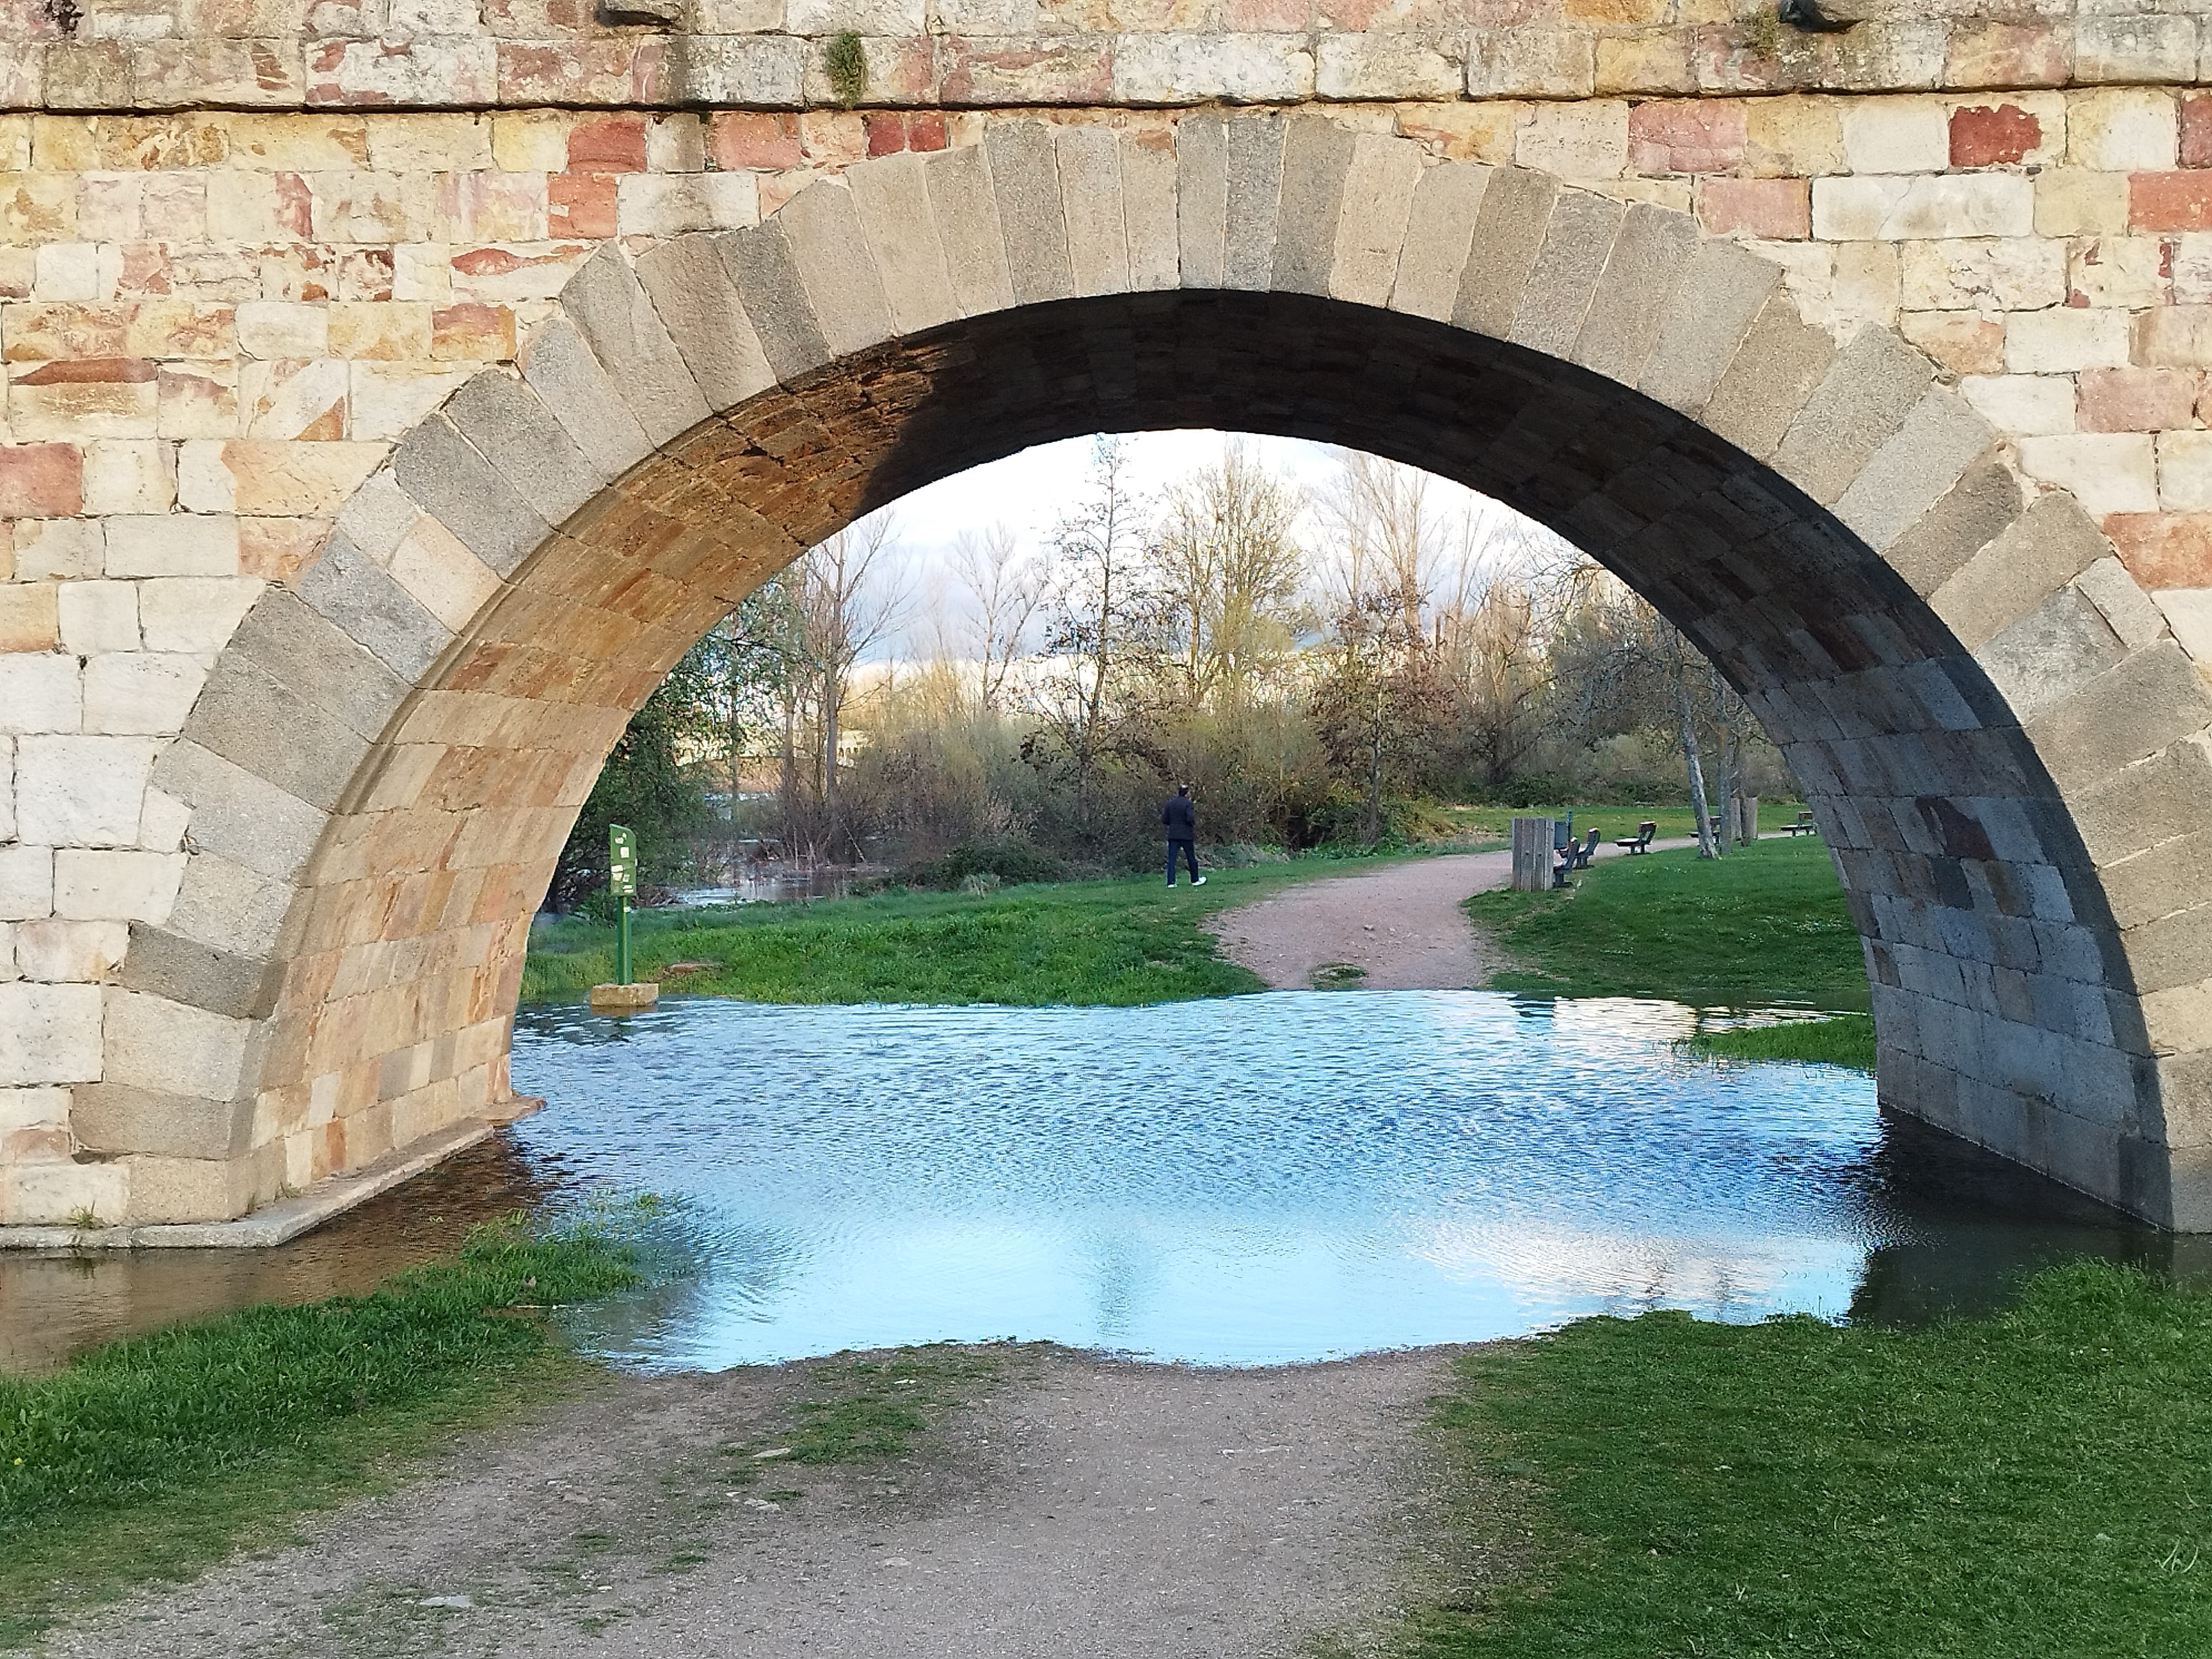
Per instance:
(395,388)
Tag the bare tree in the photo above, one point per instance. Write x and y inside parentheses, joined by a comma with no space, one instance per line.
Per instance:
(1005,590)
(849,600)
(1229,570)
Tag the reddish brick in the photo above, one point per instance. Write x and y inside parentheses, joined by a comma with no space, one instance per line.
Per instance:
(472,333)
(925,129)
(2136,399)
(1685,135)
(1982,135)
(2196,130)
(581,204)
(886,132)
(40,481)
(614,145)
(1778,209)
(2164,550)
(2170,201)
(750,138)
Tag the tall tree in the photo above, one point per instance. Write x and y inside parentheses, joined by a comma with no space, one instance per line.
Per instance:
(850,600)
(1228,568)
(1004,590)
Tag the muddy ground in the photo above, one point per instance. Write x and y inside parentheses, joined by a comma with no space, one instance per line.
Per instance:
(1064,1503)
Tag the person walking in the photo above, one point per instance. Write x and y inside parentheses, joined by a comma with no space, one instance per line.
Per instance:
(1180,818)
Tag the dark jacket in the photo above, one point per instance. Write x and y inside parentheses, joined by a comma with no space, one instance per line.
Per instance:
(1180,818)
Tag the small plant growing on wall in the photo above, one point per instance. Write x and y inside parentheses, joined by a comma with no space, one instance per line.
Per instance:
(848,65)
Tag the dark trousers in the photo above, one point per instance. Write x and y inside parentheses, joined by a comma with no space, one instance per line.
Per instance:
(1190,851)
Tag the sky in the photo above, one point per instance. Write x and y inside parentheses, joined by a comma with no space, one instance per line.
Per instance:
(1028,492)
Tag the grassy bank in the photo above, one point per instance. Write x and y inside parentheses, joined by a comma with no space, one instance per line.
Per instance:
(1116,942)
(2030,1485)
(151,1457)
(1765,925)
(1491,823)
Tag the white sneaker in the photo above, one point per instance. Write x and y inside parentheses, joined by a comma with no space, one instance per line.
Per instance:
(1201,882)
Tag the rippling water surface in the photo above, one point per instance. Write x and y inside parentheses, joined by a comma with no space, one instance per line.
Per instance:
(1248,1181)
(1256,1179)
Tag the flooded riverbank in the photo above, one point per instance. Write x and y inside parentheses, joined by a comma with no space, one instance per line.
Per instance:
(1246,1181)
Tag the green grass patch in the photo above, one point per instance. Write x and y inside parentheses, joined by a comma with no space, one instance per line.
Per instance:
(1838,1040)
(1115,943)
(2037,1484)
(1492,822)
(1765,925)
(151,1457)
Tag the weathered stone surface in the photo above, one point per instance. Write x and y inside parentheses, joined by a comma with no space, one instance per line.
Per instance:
(1875,382)
(1202,199)
(1720,294)
(444,475)
(1254,163)
(611,310)
(1317,155)
(1577,245)
(831,250)
(1782,360)
(893,198)
(765,271)
(1025,184)
(561,368)
(507,423)
(1439,231)
(1509,235)
(698,304)
(1925,456)
(960,193)
(1632,299)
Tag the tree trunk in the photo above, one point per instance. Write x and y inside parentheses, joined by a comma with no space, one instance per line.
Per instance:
(1374,825)
(787,785)
(1689,737)
(1731,785)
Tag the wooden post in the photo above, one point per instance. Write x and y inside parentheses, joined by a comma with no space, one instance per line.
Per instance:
(1532,854)
(1746,818)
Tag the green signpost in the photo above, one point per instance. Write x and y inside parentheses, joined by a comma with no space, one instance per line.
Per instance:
(622,882)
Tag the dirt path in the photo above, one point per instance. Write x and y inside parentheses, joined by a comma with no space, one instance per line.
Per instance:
(1080,1507)
(1401,924)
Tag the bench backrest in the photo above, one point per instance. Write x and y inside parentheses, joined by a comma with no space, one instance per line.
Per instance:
(1647,830)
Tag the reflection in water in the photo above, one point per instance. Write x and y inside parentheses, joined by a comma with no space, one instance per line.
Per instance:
(1260,1179)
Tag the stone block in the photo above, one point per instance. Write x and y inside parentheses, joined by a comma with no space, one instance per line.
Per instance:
(238,814)
(193,613)
(1149,209)
(1782,360)
(444,475)
(1577,142)
(2122,129)
(1315,157)
(2173,336)
(2123,49)
(614,315)
(1686,136)
(893,198)
(318,656)
(26,883)
(1770,209)
(2153,698)
(1509,235)
(1253,183)
(761,265)
(1577,242)
(1633,298)
(1025,185)
(1899,208)
(41,692)
(54,952)
(2184,471)
(829,251)
(442,575)
(2005,275)
(2005,133)
(509,425)
(1202,199)
(80,791)
(1937,441)
(2074,202)
(570,381)
(116,886)
(1875,381)
(225,905)
(2188,613)
(2049,654)
(172,545)
(118,1118)
(46,548)
(2126,606)
(1439,231)
(49,1033)
(2044,549)
(1378,197)
(1976,510)
(2022,405)
(1721,293)
(2106,472)
(1230,69)
(966,212)
(42,481)
(1532,60)
(247,716)
(1089,162)
(1896,135)
(1364,66)
(165,963)
(7,789)
(139,691)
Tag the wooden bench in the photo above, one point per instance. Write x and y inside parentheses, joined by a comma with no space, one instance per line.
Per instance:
(1579,857)
(1640,841)
(1803,824)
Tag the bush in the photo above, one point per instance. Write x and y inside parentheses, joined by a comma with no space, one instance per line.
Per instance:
(1007,861)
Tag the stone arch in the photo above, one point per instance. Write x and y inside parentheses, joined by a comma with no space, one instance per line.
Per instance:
(1987,716)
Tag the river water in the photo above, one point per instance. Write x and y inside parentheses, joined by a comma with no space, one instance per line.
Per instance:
(1253,1180)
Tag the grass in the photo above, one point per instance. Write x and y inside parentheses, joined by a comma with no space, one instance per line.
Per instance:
(1838,1040)
(149,1458)
(1765,925)
(1492,822)
(2032,1484)
(1117,942)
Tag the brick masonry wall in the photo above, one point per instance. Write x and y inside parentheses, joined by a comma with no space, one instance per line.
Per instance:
(216,324)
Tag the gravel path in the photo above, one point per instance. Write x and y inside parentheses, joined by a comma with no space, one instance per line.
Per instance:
(1401,924)
(1079,1507)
